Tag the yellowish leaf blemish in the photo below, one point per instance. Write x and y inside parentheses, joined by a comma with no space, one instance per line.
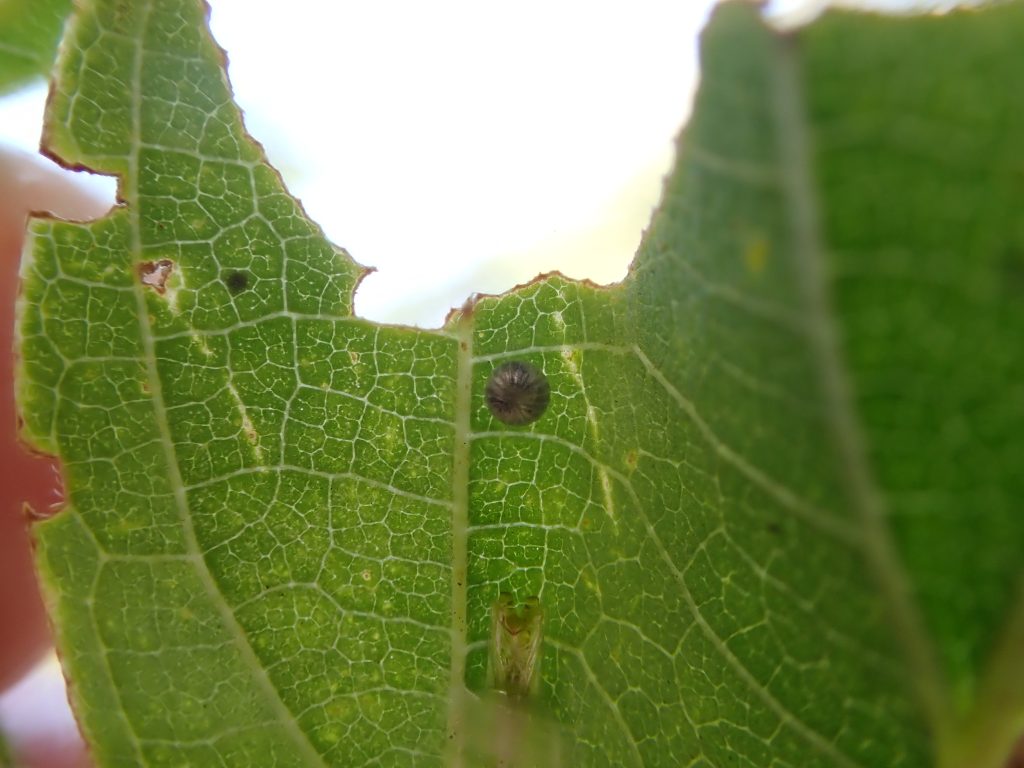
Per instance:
(755,254)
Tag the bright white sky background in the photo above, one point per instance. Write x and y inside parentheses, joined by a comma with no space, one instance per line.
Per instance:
(461,145)
(456,145)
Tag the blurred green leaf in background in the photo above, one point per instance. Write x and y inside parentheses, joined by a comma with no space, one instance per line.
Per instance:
(29,33)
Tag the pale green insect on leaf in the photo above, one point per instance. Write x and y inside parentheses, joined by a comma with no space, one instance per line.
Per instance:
(516,636)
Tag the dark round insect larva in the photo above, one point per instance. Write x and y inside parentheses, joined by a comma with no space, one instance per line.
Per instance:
(517,393)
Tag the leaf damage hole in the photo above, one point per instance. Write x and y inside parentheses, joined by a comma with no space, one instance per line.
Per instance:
(40,487)
(156,273)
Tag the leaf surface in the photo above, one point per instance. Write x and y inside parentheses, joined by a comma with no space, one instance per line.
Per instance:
(771,511)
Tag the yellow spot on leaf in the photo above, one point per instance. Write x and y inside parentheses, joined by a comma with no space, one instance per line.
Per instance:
(755,254)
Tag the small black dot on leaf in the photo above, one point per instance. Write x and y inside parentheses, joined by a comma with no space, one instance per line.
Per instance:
(236,281)
(517,393)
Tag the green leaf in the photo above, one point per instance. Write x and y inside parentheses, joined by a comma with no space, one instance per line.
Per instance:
(772,511)
(5,752)
(29,33)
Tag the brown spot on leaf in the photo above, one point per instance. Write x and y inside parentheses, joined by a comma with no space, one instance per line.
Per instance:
(155,274)
(631,459)
(1017,756)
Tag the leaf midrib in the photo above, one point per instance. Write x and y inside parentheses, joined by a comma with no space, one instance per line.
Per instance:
(457,694)
(795,152)
(248,657)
